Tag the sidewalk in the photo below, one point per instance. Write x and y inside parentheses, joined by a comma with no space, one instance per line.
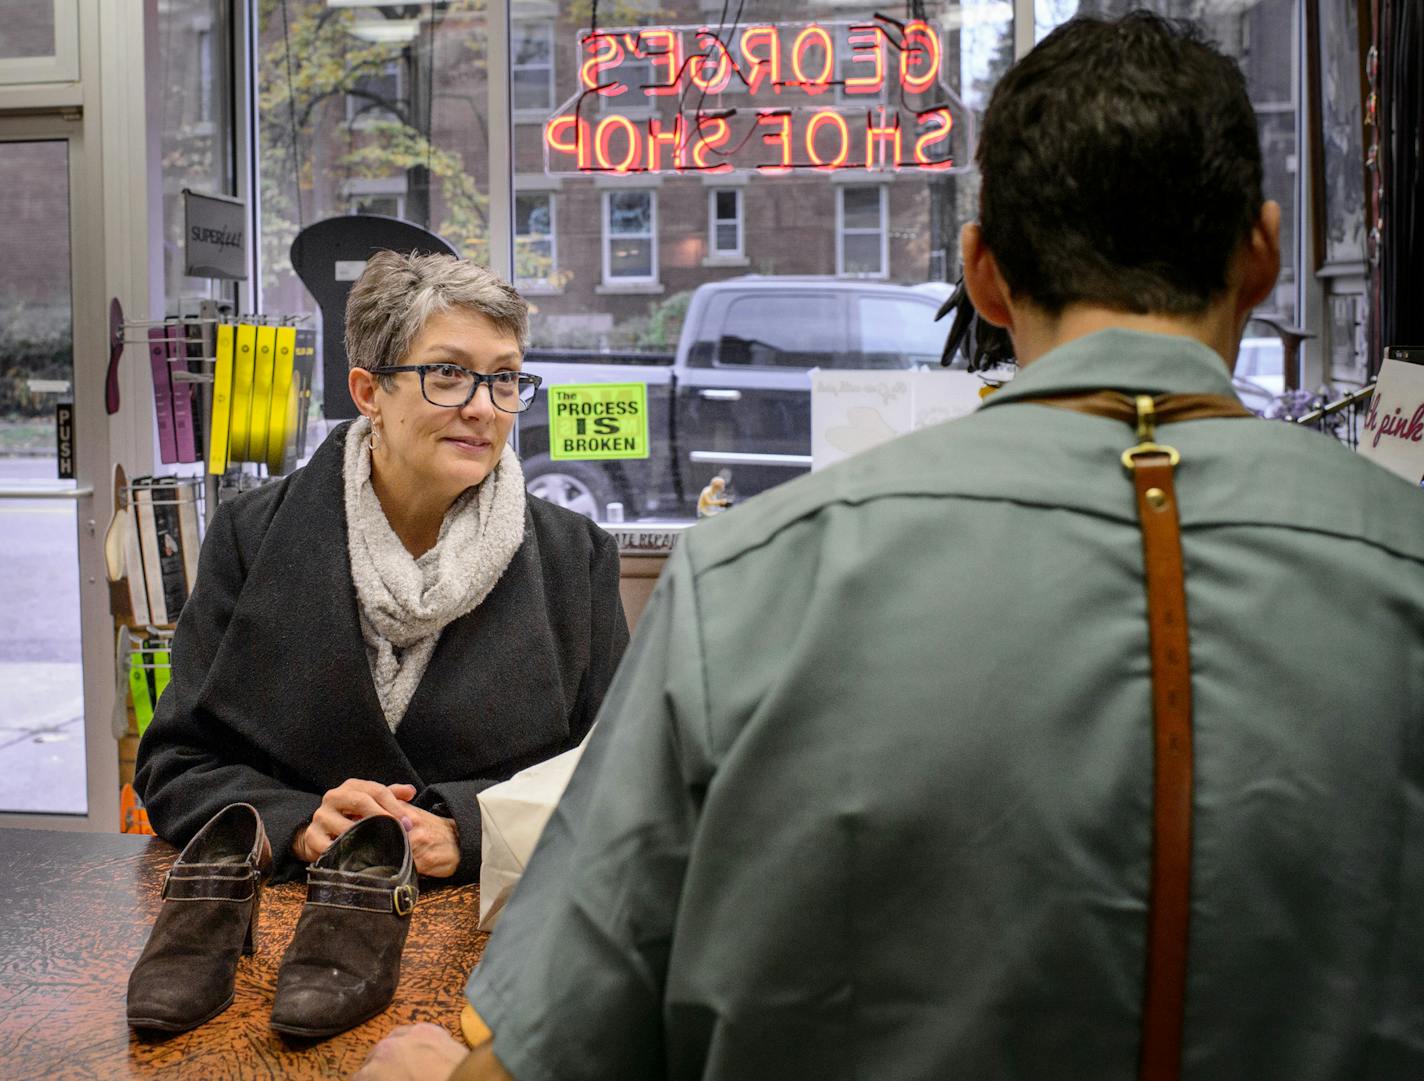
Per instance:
(41,677)
(42,737)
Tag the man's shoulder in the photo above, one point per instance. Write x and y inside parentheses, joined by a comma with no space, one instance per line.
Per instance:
(944,461)
(1235,472)
(1298,478)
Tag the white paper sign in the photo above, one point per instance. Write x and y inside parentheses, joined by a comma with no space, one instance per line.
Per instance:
(852,411)
(1393,432)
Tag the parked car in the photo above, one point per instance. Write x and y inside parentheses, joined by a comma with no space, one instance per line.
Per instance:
(737,393)
(1259,379)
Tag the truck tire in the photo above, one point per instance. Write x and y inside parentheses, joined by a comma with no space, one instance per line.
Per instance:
(579,486)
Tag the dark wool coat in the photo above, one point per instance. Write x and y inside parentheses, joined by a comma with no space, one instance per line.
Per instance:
(272,702)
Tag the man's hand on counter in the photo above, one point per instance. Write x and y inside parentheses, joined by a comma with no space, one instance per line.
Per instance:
(426,1052)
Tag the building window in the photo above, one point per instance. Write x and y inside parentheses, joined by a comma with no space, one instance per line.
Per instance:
(387,206)
(861,249)
(375,97)
(384,196)
(635,73)
(532,66)
(724,217)
(534,257)
(630,236)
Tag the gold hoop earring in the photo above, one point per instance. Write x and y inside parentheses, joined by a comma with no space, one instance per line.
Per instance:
(375,437)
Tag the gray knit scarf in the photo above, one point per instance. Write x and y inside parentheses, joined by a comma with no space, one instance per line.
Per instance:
(406,602)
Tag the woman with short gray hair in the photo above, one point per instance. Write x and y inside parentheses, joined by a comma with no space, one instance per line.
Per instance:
(397,625)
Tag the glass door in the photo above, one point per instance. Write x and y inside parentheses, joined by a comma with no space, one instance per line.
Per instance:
(43,766)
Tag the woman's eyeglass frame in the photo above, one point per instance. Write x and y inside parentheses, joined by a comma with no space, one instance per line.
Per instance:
(525,379)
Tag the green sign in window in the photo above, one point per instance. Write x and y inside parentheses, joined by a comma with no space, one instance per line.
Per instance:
(598,421)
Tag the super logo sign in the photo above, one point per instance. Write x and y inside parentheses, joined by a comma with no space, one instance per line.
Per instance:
(770,98)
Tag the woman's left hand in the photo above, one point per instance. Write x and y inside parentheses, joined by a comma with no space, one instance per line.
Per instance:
(434,841)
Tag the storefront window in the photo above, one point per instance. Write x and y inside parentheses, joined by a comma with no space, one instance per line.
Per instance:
(742,196)
(1263,37)
(381,109)
(678,169)
(194,114)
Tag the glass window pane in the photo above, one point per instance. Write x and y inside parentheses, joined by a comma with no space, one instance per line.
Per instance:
(28,29)
(307,175)
(42,731)
(634,74)
(530,43)
(797,331)
(531,88)
(1262,35)
(531,214)
(862,208)
(631,258)
(862,253)
(899,333)
(691,226)
(386,206)
(196,126)
(630,212)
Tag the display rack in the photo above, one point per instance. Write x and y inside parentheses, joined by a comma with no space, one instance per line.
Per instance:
(206,323)
(159,522)
(1342,418)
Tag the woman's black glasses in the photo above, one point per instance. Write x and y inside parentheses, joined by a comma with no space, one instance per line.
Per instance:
(451,386)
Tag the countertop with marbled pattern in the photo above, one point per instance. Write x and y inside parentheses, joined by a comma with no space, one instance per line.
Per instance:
(75,911)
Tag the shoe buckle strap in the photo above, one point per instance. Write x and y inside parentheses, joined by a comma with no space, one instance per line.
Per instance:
(209,882)
(337,890)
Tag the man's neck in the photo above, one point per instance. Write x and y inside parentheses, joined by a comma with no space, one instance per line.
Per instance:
(1035,332)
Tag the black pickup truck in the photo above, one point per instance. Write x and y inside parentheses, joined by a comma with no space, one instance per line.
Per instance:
(736,396)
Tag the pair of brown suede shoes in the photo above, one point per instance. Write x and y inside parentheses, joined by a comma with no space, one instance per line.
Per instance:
(343,963)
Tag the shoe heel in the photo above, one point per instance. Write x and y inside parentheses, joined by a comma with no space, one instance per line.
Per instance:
(249,944)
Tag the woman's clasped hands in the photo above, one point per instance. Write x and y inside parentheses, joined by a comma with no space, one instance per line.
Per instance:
(434,841)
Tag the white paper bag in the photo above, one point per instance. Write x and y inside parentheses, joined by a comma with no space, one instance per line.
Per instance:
(512,816)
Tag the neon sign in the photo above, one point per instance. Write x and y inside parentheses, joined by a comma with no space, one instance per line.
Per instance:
(765,98)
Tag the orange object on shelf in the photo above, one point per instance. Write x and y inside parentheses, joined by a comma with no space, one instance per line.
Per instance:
(132,817)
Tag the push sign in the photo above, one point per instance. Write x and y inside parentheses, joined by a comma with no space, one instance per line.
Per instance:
(598,421)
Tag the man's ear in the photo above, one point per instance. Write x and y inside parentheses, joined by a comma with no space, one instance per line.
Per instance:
(362,385)
(986,286)
(1261,257)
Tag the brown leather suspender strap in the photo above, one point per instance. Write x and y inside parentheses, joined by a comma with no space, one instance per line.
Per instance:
(1151,467)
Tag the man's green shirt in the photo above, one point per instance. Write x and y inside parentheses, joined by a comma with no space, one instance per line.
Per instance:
(870,795)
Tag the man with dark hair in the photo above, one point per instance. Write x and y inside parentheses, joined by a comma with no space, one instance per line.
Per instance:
(928,766)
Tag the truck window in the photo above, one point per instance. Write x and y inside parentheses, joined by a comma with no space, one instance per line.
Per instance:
(897,333)
(786,331)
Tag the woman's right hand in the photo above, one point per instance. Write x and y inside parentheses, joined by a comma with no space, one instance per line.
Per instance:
(342,807)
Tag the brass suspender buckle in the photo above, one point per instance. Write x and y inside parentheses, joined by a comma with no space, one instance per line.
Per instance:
(1146,431)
